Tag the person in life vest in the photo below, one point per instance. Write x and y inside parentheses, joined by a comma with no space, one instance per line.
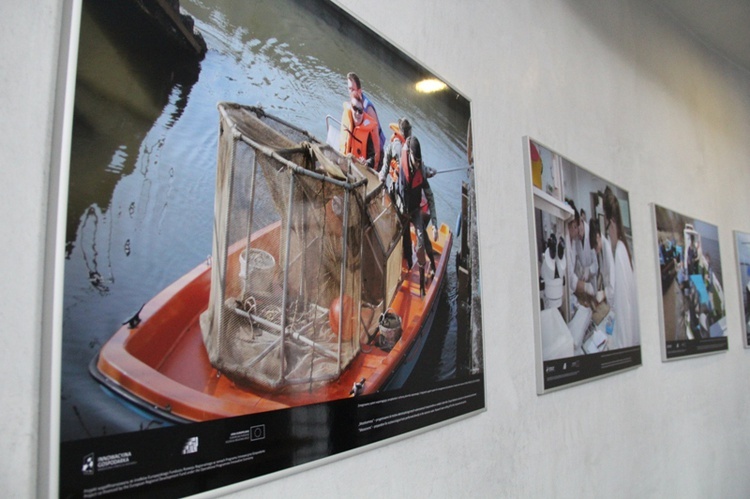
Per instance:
(354,86)
(361,140)
(389,174)
(392,152)
(419,203)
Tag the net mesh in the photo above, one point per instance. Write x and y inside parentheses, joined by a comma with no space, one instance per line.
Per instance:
(303,256)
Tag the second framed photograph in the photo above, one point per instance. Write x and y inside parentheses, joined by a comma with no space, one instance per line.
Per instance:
(693,318)
(742,245)
(587,322)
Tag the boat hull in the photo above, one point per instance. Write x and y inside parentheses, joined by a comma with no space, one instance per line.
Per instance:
(162,364)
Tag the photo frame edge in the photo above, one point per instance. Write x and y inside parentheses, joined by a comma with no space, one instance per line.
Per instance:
(743,323)
(535,292)
(48,444)
(659,298)
(48,441)
(531,232)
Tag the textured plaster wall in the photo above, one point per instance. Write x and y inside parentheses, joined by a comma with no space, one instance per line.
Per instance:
(28,64)
(613,85)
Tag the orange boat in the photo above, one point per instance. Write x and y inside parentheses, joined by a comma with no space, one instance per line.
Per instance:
(310,303)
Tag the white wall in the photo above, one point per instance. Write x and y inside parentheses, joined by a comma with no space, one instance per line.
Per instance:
(613,85)
(28,64)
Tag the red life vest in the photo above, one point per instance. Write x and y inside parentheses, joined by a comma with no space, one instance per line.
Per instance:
(416,181)
(424,204)
(413,183)
(357,143)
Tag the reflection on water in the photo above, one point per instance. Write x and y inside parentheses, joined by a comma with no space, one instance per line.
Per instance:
(143,159)
(122,88)
(90,253)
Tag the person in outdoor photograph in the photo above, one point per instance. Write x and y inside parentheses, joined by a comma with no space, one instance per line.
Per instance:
(354,86)
(389,175)
(362,139)
(415,189)
(392,151)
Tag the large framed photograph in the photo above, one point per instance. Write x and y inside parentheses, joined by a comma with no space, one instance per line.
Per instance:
(693,309)
(586,301)
(267,249)
(742,249)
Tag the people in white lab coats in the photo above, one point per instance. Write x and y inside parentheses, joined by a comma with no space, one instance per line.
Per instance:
(581,259)
(606,264)
(627,331)
(588,265)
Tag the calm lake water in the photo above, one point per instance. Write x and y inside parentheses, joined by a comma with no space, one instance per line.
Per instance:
(144,159)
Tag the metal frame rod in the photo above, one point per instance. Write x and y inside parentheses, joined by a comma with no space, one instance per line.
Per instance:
(344,246)
(285,287)
(250,216)
(298,169)
(295,335)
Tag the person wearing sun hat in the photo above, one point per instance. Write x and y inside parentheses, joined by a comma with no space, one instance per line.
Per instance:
(392,150)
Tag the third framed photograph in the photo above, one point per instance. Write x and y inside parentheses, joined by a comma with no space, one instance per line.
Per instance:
(742,246)
(587,323)
(693,318)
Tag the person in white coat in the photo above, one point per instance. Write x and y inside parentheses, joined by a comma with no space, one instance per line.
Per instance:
(605,280)
(627,332)
(578,255)
(588,265)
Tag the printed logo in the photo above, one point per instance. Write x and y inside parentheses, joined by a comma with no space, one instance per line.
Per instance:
(258,432)
(88,464)
(191,446)
(112,461)
(238,436)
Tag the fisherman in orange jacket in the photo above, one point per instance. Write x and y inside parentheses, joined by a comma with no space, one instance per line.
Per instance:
(362,140)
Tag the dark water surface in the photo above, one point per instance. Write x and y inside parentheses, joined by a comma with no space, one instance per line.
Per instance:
(143,161)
